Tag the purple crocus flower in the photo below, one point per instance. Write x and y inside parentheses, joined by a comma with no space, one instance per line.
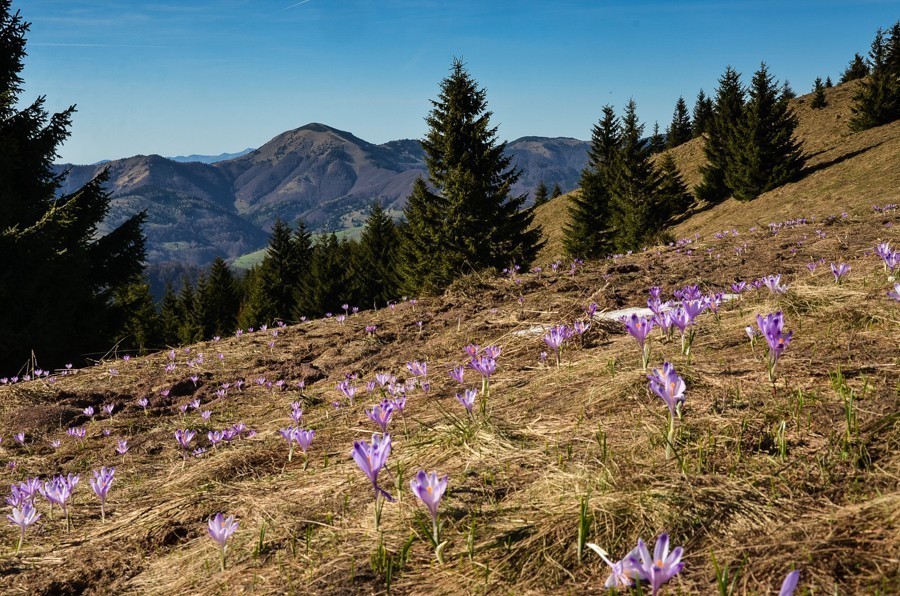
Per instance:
(839,270)
(430,489)
(467,399)
(288,435)
(304,438)
(143,402)
(771,327)
(20,438)
(101,482)
(640,328)
(371,457)
(580,327)
(457,374)
(623,573)
(417,368)
(472,349)
(670,387)
(23,517)
(485,366)
(381,414)
(348,389)
(492,351)
(89,412)
(184,437)
(773,282)
(790,583)
(660,568)
(383,379)
(895,293)
(220,530)
(122,446)
(739,287)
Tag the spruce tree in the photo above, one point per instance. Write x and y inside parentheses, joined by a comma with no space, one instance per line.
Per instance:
(557,191)
(169,317)
(634,187)
(857,69)
(480,223)
(541,194)
(374,260)
(141,331)
(764,152)
(680,130)
(328,277)
(272,294)
(729,111)
(828,83)
(58,277)
(588,232)
(877,101)
(657,140)
(703,114)
(787,92)
(221,300)
(189,328)
(818,100)
(674,199)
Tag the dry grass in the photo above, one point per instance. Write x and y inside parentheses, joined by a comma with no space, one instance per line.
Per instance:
(588,429)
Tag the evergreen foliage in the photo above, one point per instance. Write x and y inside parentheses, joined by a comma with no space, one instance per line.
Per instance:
(541,194)
(588,233)
(674,197)
(729,111)
(141,331)
(703,114)
(818,101)
(764,152)
(680,130)
(557,191)
(169,316)
(189,312)
(221,300)
(374,275)
(857,69)
(787,92)
(877,101)
(471,221)
(58,281)
(328,279)
(634,187)
(828,83)
(657,140)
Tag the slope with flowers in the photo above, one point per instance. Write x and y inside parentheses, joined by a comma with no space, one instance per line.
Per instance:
(766,477)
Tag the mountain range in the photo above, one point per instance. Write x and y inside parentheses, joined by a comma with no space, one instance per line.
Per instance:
(198,211)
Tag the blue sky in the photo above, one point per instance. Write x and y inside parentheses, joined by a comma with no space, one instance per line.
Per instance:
(211,76)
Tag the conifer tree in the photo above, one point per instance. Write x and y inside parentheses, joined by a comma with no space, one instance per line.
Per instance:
(272,295)
(828,83)
(657,140)
(680,130)
(141,331)
(818,101)
(877,100)
(764,152)
(328,278)
(557,191)
(634,187)
(480,223)
(857,69)
(729,111)
(787,92)
(189,328)
(58,279)
(674,199)
(703,114)
(588,232)
(374,269)
(541,194)
(221,300)
(169,317)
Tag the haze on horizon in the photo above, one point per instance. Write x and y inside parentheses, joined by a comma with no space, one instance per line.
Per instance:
(214,76)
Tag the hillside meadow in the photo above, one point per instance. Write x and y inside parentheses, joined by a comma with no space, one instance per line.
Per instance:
(764,478)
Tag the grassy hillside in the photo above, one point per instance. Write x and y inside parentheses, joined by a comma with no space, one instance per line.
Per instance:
(845,172)
(802,473)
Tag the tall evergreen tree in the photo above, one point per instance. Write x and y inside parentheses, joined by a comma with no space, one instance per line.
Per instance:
(877,101)
(141,331)
(588,233)
(557,191)
(680,130)
(221,300)
(272,295)
(375,270)
(58,280)
(674,199)
(169,317)
(764,152)
(729,111)
(818,101)
(541,194)
(634,187)
(190,329)
(480,223)
(657,140)
(703,114)
(787,92)
(828,83)
(857,69)
(328,277)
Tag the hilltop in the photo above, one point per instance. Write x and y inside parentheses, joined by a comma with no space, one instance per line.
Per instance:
(846,172)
